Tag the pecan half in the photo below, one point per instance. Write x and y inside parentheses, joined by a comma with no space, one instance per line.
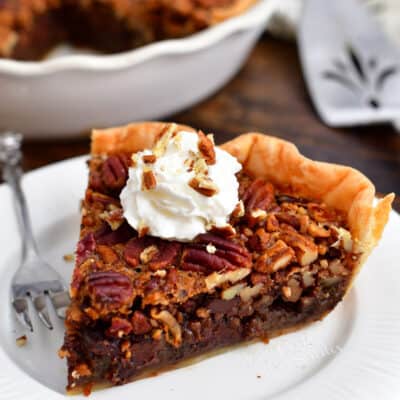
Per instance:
(166,254)
(115,171)
(276,257)
(228,255)
(110,289)
(259,195)
(206,148)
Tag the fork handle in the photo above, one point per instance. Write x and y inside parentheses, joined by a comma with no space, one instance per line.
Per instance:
(10,159)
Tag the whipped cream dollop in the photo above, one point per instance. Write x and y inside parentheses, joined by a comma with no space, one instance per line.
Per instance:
(174,192)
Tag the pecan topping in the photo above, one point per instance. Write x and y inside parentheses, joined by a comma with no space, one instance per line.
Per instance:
(110,289)
(306,250)
(162,142)
(140,323)
(206,148)
(172,328)
(119,327)
(149,159)
(228,255)
(148,254)
(238,212)
(149,181)
(233,291)
(249,292)
(107,254)
(276,257)
(160,253)
(259,195)
(259,240)
(216,279)
(115,172)
(203,185)
(105,235)
(292,291)
(86,247)
(114,218)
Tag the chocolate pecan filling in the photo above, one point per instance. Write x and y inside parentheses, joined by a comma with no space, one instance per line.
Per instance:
(140,302)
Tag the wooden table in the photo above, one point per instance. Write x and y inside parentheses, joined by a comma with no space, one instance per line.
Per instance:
(269,96)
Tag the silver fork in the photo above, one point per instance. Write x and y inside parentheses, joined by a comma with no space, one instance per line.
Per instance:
(35,285)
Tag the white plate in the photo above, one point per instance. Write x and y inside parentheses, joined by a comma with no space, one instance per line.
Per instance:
(353,354)
(70,94)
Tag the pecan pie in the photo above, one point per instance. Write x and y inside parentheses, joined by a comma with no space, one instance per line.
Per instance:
(287,256)
(30,28)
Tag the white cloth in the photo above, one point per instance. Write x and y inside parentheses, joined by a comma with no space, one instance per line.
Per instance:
(287,15)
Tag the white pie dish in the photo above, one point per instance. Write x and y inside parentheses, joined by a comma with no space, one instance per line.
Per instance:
(69,94)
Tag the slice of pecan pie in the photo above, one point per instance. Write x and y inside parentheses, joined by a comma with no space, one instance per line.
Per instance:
(161,275)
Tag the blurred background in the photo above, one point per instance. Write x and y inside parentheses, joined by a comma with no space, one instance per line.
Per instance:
(269,94)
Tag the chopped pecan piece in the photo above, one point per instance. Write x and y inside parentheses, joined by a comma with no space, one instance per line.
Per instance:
(204,185)
(140,323)
(163,139)
(171,326)
(249,292)
(106,236)
(85,248)
(228,255)
(107,254)
(216,279)
(149,159)
(315,230)
(289,219)
(259,240)
(149,181)
(292,291)
(119,327)
(114,218)
(272,223)
(276,257)
(233,291)
(238,212)
(306,250)
(206,148)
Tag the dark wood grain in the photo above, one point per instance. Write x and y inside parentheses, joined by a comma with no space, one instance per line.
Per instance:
(269,95)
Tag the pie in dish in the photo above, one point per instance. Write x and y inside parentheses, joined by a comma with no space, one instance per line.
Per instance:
(149,291)
(30,28)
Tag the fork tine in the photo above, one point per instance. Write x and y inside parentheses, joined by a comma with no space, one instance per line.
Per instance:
(22,312)
(60,302)
(40,305)
(56,320)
